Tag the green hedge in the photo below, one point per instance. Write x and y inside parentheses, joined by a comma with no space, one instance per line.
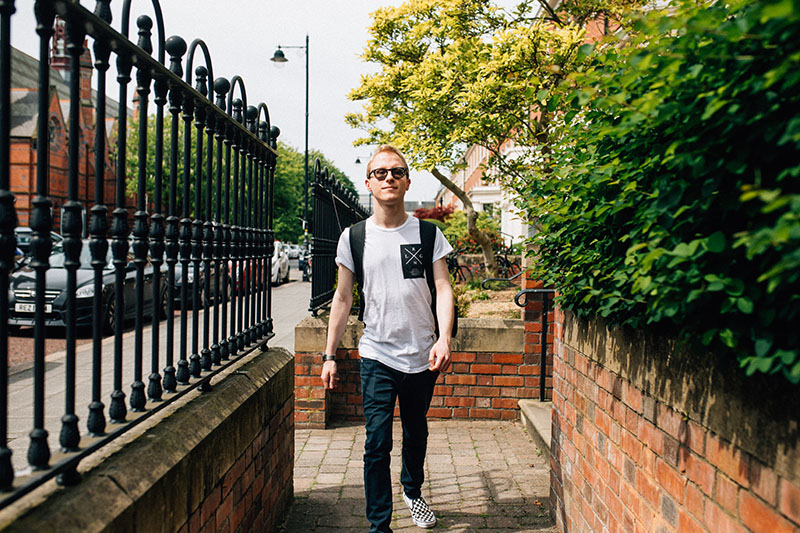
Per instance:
(671,196)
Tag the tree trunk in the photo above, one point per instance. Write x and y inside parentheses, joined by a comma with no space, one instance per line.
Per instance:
(483,240)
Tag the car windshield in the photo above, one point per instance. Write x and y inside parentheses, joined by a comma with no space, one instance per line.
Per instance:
(57,258)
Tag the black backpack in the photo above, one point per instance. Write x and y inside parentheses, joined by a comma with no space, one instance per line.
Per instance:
(427,234)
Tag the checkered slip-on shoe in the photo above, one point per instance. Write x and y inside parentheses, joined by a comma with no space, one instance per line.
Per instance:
(421,514)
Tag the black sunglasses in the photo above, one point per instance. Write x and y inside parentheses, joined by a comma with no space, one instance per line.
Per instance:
(380,174)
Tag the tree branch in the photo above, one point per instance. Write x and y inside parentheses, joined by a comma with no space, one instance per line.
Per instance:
(546,6)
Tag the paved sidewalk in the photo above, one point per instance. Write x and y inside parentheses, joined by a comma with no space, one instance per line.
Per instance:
(289,306)
(480,476)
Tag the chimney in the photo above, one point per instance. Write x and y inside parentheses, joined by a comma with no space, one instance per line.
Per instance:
(59,60)
(87,107)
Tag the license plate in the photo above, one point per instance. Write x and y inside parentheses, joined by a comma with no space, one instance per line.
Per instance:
(31,308)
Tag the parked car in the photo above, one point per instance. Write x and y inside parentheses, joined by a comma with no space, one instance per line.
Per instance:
(24,235)
(280,270)
(190,284)
(293,251)
(22,291)
(280,264)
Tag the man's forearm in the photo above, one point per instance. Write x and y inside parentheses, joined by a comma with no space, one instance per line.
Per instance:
(444,312)
(340,310)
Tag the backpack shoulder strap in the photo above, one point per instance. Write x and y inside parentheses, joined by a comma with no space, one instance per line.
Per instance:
(427,235)
(358,234)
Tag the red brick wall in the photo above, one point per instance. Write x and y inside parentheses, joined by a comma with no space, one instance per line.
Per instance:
(257,489)
(479,384)
(625,459)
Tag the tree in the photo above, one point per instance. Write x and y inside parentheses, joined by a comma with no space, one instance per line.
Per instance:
(288,182)
(456,73)
(289,177)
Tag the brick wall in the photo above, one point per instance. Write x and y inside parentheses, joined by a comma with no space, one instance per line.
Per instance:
(255,492)
(648,438)
(495,363)
(220,461)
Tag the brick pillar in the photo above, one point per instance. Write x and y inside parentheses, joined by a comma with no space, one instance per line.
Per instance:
(532,314)
(310,399)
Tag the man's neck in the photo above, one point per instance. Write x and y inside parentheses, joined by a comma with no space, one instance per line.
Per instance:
(389,216)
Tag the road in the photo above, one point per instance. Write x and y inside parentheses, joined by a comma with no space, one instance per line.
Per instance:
(289,305)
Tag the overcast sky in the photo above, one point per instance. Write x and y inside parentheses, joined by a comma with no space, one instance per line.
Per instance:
(242,36)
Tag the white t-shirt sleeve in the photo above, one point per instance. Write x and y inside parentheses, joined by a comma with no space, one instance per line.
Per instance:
(440,246)
(343,255)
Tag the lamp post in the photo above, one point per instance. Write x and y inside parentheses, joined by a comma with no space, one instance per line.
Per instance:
(280,57)
(358,162)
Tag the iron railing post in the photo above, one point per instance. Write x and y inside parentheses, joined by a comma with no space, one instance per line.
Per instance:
(8,220)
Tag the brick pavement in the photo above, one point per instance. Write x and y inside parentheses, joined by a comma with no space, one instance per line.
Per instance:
(480,476)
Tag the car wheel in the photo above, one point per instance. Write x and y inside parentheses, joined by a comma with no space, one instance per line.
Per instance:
(109,317)
(162,306)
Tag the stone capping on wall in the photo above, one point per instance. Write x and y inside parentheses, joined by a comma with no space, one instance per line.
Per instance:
(474,335)
(217,458)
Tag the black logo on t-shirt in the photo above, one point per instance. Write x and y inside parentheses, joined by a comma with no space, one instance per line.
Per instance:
(412,261)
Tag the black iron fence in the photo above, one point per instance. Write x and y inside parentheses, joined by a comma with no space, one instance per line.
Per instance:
(335,208)
(212,253)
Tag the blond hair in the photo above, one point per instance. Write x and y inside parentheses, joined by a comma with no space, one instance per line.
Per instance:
(385,148)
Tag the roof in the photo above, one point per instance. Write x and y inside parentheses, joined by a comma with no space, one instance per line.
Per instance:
(25,90)
(24,105)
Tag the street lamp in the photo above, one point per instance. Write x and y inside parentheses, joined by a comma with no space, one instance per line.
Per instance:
(358,162)
(280,57)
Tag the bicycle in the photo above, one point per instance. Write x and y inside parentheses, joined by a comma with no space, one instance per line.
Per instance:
(508,271)
(461,273)
(505,267)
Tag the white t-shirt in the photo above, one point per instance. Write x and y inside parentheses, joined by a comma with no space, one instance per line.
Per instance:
(398,321)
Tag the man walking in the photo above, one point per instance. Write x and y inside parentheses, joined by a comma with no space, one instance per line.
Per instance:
(401,357)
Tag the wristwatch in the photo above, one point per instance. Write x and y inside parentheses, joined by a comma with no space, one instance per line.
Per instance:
(328,357)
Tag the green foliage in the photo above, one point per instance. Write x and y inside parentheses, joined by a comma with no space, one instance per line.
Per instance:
(473,284)
(454,73)
(288,180)
(460,297)
(132,163)
(669,195)
(458,236)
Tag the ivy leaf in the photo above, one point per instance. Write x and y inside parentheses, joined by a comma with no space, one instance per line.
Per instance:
(584,51)
(787,357)
(715,243)
(726,336)
(745,305)
(762,346)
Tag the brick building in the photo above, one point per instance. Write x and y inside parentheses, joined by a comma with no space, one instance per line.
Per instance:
(24,131)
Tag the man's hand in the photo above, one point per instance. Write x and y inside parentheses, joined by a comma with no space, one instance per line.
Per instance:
(440,355)
(329,376)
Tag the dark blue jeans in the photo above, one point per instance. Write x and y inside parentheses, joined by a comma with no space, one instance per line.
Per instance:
(380,387)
